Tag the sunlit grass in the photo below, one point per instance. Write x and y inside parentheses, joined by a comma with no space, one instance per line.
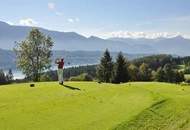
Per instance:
(94,107)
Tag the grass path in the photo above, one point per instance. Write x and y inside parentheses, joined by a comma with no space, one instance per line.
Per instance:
(49,106)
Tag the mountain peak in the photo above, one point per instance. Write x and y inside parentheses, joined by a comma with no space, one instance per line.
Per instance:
(3,23)
(94,38)
(179,37)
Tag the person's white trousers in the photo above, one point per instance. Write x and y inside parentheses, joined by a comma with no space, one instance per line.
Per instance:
(60,75)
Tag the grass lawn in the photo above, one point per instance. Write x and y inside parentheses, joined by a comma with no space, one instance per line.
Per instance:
(132,106)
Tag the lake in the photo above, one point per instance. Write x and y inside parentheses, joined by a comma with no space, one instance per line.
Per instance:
(19,75)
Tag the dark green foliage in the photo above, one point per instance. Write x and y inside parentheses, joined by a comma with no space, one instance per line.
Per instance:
(168,74)
(179,77)
(6,78)
(187,81)
(9,76)
(46,77)
(154,61)
(2,77)
(160,75)
(34,54)
(75,71)
(184,60)
(187,70)
(145,72)
(82,77)
(105,68)
(133,72)
(70,72)
(121,74)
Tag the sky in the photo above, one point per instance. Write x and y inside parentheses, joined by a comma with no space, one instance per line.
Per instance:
(102,18)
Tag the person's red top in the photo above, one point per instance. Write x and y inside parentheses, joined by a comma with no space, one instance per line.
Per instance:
(60,64)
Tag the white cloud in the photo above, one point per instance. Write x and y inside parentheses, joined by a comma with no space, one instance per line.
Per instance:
(71,20)
(149,35)
(51,6)
(28,22)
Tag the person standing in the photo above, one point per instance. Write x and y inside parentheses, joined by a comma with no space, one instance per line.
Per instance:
(60,65)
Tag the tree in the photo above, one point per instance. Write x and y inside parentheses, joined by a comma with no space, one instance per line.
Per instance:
(133,72)
(169,73)
(9,76)
(105,68)
(33,54)
(145,72)
(121,74)
(160,75)
(179,77)
(2,77)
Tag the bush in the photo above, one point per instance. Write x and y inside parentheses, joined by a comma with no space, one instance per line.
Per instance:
(82,77)
(187,70)
(187,81)
(3,79)
(45,77)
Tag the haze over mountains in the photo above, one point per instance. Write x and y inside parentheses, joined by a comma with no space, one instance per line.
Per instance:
(8,58)
(72,41)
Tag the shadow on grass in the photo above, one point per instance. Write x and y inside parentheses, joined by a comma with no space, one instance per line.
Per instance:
(70,87)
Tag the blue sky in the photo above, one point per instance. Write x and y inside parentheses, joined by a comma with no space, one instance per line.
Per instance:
(103,18)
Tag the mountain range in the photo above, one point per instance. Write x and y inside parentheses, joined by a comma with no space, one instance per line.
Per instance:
(72,41)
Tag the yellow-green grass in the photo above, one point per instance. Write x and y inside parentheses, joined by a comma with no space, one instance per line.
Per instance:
(132,106)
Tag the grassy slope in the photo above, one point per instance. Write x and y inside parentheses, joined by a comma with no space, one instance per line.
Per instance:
(171,113)
(95,107)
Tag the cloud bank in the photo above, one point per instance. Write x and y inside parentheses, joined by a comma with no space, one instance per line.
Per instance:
(28,22)
(149,35)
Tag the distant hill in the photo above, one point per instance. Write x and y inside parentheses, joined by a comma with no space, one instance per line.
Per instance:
(176,45)
(72,41)
(7,59)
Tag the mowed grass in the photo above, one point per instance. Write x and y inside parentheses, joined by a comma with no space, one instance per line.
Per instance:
(131,106)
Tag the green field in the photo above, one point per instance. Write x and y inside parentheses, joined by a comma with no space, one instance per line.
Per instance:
(132,106)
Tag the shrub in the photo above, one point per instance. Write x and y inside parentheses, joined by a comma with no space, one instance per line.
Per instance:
(187,81)
(3,79)
(45,77)
(82,77)
(187,70)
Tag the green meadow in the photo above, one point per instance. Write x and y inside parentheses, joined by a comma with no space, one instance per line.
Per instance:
(130,106)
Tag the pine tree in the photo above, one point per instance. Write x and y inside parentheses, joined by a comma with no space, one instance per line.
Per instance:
(9,76)
(121,74)
(160,75)
(105,68)
(2,77)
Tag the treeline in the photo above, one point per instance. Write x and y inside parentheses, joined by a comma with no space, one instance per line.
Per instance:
(160,68)
(78,73)
(6,78)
